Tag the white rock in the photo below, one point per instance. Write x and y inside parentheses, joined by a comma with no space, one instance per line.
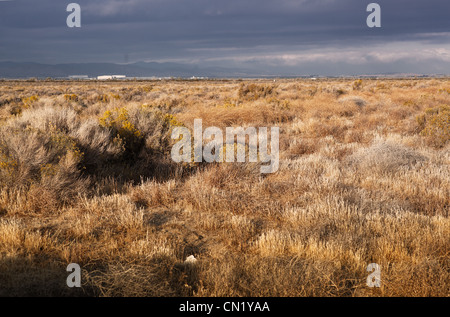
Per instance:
(190,260)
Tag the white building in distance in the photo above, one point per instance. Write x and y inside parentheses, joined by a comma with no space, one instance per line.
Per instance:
(108,77)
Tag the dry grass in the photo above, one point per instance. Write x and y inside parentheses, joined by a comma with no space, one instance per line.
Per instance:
(86,177)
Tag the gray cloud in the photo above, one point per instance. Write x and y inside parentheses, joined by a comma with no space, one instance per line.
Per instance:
(328,36)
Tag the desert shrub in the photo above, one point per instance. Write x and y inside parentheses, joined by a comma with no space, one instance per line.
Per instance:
(27,102)
(357,84)
(255,91)
(155,125)
(409,103)
(71,97)
(133,94)
(132,280)
(50,152)
(145,134)
(435,125)
(103,98)
(339,92)
(382,86)
(279,104)
(44,118)
(48,160)
(230,103)
(146,88)
(17,105)
(118,122)
(97,144)
(89,136)
(9,100)
(384,157)
(140,128)
(358,101)
(303,147)
(334,128)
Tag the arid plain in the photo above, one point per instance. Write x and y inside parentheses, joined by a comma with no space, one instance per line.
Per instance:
(86,177)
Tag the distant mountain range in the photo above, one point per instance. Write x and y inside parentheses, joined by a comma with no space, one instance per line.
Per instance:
(139,69)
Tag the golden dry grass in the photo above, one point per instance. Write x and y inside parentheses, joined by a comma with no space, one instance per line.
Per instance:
(86,177)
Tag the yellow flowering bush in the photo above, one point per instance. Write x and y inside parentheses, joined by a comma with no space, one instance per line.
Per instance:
(71,97)
(118,121)
(357,84)
(27,102)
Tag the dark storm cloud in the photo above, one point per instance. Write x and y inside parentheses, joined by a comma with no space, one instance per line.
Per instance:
(328,34)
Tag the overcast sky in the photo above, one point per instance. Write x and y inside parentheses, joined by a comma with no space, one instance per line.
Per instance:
(306,36)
